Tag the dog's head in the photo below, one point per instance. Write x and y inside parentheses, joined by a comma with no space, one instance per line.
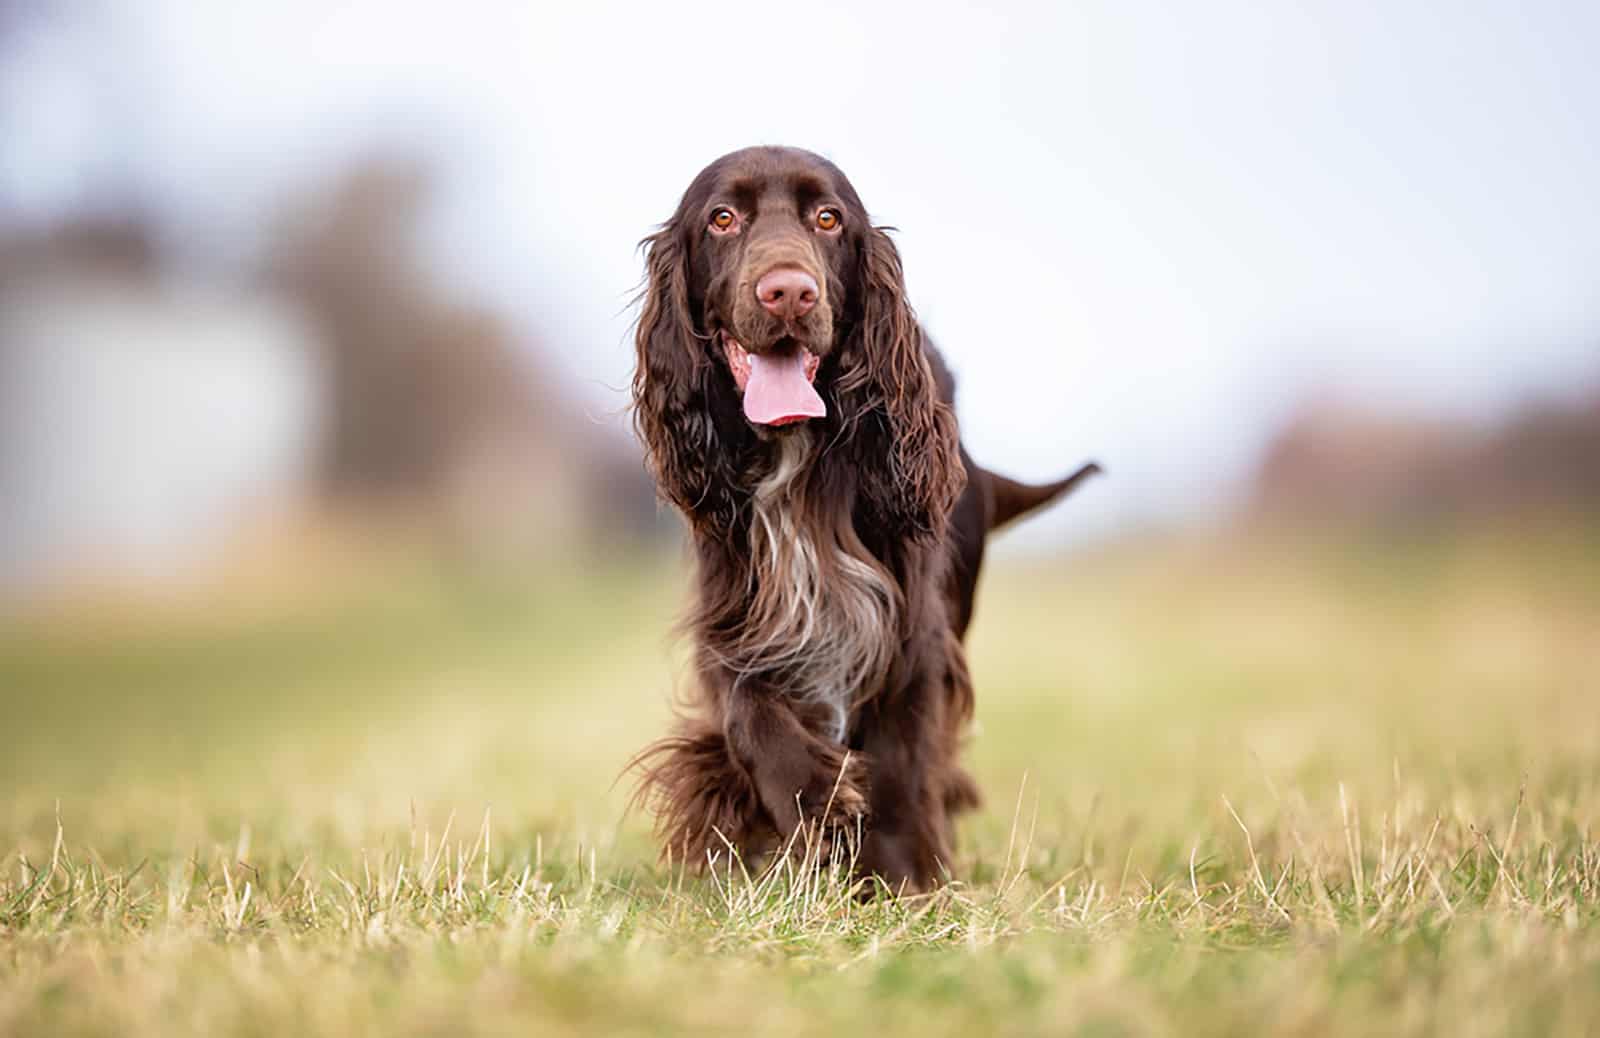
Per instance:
(760,259)
(771,301)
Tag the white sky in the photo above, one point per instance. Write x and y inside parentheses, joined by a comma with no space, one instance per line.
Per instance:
(1140,232)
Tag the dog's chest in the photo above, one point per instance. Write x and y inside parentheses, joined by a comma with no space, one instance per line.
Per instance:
(822,618)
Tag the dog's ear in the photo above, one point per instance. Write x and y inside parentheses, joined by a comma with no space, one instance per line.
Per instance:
(672,373)
(905,435)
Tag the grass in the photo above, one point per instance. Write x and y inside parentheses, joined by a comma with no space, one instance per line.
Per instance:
(1298,787)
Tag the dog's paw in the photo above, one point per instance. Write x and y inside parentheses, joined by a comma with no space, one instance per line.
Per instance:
(833,809)
(840,793)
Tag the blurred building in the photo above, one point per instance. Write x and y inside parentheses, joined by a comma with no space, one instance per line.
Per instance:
(149,415)
(140,420)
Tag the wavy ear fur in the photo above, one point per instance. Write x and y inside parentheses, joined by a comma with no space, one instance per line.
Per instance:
(671,409)
(913,466)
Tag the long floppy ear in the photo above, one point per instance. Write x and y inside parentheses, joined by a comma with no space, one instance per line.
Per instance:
(670,398)
(890,377)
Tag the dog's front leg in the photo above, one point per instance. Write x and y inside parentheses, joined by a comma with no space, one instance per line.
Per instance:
(800,777)
(907,734)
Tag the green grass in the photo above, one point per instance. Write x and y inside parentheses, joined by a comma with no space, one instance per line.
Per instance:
(1287,788)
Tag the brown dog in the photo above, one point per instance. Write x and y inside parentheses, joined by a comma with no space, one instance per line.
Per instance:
(795,413)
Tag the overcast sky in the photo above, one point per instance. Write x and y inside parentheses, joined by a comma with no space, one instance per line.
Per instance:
(1139,232)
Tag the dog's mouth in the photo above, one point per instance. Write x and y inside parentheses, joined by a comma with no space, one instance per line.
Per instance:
(777,384)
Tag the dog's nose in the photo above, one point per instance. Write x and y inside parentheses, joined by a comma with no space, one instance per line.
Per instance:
(787,292)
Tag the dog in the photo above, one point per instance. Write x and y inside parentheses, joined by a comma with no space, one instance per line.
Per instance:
(795,412)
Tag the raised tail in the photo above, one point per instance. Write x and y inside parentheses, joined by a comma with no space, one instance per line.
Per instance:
(1007,499)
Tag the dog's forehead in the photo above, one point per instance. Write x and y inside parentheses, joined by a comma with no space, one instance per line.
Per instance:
(754,174)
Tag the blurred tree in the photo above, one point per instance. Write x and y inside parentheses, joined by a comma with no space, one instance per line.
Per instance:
(1334,461)
(431,399)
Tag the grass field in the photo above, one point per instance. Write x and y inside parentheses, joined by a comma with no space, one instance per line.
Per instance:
(1289,788)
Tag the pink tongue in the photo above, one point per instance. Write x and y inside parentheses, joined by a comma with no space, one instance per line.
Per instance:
(778,391)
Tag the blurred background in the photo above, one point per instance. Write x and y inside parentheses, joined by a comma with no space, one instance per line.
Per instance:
(271,264)
(298,298)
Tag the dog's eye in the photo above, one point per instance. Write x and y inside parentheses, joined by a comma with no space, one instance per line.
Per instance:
(722,218)
(827,219)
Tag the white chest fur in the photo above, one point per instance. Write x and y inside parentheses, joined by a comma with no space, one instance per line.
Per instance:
(822,617)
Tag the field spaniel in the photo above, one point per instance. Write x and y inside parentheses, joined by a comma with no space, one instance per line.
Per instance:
(795,413)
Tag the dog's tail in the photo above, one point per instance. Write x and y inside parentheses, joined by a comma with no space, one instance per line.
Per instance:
(1006,499)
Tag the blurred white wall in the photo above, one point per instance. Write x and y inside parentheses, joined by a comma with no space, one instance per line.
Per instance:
(139,427)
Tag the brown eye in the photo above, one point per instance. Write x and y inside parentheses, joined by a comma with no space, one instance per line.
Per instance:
(827,219)
(722,218)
